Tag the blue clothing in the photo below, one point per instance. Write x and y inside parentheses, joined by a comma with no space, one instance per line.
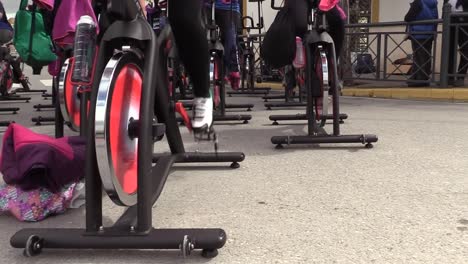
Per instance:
(428,11)
(6,25)
(228,32)
(226,20)
(226,5)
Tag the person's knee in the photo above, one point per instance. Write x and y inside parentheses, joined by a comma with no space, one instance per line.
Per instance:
(183,18)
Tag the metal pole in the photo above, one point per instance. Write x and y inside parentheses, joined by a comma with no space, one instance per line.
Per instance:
(445,45)
(58,114)
(84,98)
(385,55)
(379,50)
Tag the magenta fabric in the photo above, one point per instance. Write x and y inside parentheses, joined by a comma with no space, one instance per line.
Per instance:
(32,160)
(45,4)
(68,14)
(327,5)
(342,12)
(34,205)
(54,68)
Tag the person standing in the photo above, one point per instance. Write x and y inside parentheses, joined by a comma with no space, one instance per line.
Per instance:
(4,23)
(421,43)
(458,6)
(6,38)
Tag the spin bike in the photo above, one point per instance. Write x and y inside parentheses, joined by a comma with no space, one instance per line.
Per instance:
(248,61)
(248,71)
(6,82)
(289,83)
(319,76)
(61,105)
(217,82)
(292,79)
(8,76)
(129,111)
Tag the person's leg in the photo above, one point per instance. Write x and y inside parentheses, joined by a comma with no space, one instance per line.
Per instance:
(337,32)
(16,66)
(225,19)
(299,9)
(336,29)
(427,55)
(289,81)
(192,46)
(415,66)
(419,59)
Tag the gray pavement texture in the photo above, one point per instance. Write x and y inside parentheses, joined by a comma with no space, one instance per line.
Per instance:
(404,201)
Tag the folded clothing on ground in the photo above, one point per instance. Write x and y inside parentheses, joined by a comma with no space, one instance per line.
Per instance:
(30,160)
(35,205)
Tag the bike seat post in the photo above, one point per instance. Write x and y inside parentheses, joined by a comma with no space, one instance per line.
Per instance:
(213,10)
(311,19)
(209,19)
(324,22)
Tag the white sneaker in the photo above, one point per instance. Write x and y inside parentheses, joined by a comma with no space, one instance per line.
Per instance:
(202,114)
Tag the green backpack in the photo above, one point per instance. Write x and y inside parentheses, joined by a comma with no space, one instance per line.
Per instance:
(31,41)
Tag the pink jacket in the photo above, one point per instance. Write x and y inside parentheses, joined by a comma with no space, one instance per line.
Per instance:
(68,14)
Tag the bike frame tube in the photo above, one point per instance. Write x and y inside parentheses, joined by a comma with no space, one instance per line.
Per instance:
(336,95)
(122,30)
(311,124)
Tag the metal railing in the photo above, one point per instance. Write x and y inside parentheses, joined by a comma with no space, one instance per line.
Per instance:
(382,52)
(455,38)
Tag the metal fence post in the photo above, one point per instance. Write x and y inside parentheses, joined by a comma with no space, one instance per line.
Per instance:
(446,10)
(378,59)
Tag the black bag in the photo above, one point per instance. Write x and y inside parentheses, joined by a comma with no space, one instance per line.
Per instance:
(364,64)
(279,45)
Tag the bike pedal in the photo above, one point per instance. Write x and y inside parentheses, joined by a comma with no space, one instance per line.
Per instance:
(207,135)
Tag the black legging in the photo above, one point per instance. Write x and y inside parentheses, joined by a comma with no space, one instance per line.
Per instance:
(336,24)
(192,45)
(226,20)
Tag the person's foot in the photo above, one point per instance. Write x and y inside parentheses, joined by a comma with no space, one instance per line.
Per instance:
(202,120)
(234,79)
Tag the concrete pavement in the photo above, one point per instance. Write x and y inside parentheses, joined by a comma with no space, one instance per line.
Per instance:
(449,94)
(405,201)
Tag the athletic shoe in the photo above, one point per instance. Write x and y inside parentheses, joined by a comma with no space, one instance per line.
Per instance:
(202,114)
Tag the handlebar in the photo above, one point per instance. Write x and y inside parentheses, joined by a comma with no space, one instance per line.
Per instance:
(259,25)
(275,7)
(314,3)
(162,4)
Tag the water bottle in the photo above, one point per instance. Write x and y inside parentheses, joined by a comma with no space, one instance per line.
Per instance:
(299,60)
(84,51)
